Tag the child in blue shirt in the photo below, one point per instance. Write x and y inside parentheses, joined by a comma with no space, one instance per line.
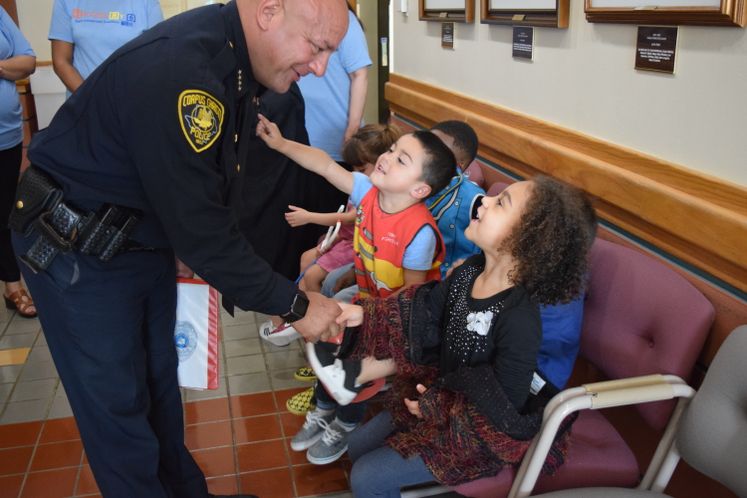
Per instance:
(452,206)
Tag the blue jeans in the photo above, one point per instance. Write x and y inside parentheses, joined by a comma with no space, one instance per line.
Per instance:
(348,414)
(378,470)
(345,295)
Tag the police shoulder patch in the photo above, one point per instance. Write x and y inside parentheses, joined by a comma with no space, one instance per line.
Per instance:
(201,118)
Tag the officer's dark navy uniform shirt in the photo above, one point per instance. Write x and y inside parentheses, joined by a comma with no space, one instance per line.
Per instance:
(158,127)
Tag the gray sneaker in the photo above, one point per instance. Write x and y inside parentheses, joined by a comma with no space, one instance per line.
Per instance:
(332,445)
(311,431)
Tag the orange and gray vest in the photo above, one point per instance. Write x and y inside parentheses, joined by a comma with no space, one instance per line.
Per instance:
(380,242)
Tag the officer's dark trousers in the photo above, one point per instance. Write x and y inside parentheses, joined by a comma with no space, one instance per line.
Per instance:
(110,329)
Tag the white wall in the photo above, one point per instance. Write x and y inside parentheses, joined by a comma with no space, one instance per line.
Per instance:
(33,19)
(583,78)
(367,11)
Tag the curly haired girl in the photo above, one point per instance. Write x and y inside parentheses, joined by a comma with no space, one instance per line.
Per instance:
(473,339)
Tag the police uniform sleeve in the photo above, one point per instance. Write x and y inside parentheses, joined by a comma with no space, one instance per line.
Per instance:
(173,125)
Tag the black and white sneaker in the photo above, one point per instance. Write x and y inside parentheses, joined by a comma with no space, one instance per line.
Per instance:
(338,376)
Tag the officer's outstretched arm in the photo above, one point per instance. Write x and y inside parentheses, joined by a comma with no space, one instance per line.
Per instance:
(311,158)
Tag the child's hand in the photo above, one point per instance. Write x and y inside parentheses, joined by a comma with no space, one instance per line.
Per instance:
(297,216)
(351,316)
(413,406)
(269,132)
(456,264)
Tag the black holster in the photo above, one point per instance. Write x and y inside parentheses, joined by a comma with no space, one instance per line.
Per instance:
(40,208)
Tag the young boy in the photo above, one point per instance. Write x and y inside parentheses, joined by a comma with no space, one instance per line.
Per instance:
(451,208)
(396,243)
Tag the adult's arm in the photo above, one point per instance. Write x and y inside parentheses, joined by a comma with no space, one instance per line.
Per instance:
(358,91)
(62,62)
(185,189)
(154,13)
(21,60)
(18,67)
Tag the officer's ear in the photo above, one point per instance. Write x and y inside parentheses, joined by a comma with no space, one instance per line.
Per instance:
(267,10)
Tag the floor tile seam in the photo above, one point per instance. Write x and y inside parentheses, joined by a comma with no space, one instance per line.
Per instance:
(234,450)
(18,380)
(33,452)
(79,473)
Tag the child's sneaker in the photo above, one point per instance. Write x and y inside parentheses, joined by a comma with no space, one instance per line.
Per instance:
(312,430)
(305,374)
(300,403)
(282,335)
(332,444)
(337,376)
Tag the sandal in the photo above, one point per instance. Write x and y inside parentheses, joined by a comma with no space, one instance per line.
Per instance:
(20,301)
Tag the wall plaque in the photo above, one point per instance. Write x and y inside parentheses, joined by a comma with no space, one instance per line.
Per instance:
(655,49)
(523,42)
(447,35)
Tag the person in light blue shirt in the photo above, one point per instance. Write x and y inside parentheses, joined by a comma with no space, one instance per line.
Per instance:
(85,32)
(17,61)
(335,101)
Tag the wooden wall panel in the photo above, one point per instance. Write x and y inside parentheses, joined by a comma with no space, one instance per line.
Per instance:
(696,218)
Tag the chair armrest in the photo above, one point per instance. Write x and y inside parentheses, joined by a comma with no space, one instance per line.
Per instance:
(620,392)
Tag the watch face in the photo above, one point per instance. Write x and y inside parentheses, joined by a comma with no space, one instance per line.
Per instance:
(298,308)
(300,305)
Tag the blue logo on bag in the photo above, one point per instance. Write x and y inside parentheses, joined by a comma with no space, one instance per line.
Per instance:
(185,339)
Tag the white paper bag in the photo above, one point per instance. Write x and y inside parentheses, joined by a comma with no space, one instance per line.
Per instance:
(196,334)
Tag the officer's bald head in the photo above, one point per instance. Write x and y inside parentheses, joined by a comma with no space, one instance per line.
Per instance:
(288,39)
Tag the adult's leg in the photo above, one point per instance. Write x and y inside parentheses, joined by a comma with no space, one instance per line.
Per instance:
(177,469)
(95,317)
(10,165)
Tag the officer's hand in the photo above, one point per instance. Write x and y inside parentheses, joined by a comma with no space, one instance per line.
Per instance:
(269,132)
(320,320)
(297,216)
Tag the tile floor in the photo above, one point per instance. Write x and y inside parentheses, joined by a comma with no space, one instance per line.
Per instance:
(239,434)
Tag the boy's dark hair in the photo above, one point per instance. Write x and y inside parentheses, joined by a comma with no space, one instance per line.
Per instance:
(368,143)
(552,241)
(438,167)
(465,138)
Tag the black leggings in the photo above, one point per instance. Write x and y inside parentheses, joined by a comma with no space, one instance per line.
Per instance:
(10,167)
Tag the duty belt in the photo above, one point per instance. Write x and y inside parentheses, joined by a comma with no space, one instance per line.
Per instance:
(41,209)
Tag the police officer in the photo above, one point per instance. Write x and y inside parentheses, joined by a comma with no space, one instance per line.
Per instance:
(137,167)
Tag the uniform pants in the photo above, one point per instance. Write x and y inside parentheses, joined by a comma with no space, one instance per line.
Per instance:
(10,166)
(110,329)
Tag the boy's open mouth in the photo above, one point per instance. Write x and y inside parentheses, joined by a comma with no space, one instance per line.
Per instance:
(476,203)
